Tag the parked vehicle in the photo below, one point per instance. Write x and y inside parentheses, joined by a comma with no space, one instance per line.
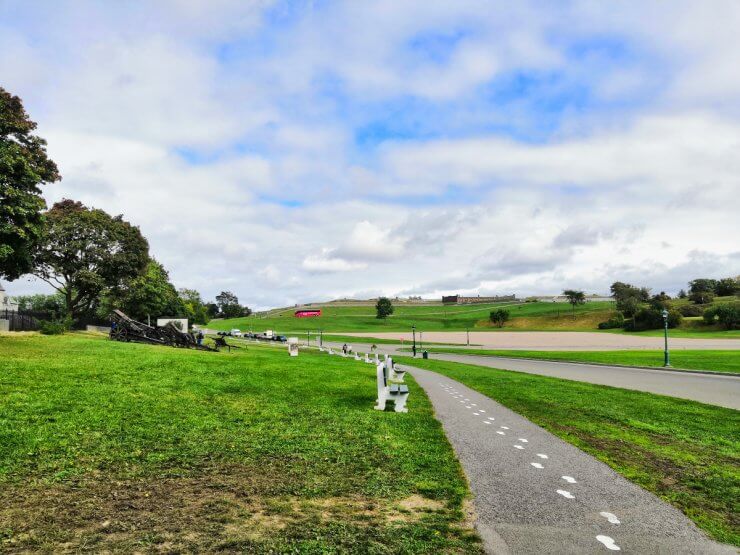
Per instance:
(236,332)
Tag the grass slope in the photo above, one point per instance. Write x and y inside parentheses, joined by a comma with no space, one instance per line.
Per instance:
(538,316)
(688,453)
(716,361)
(425,317)
(122,447)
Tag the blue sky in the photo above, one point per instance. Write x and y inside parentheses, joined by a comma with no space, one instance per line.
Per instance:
(292,151)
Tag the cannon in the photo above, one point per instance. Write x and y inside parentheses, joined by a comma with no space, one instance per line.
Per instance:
(124,328)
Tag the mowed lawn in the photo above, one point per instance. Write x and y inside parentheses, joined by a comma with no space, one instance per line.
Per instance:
(425,317)
(714,361)
(688,453)
(123,447)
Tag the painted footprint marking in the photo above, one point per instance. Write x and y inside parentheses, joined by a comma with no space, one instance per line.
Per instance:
(611,517)
(608,543)
(566,494)
(518,447)
(540,455)
(523,440)
(570,480)
(537,465)
(501,433)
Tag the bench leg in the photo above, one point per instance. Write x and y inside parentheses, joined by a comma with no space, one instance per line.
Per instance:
(401,403)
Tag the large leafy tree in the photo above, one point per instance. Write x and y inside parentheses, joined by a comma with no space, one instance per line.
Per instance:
(148,295)
(85,253)
(24,166)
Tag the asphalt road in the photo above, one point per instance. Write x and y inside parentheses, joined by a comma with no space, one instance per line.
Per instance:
(713,389)
(534,493)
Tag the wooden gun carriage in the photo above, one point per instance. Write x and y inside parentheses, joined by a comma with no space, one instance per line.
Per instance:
(124,328)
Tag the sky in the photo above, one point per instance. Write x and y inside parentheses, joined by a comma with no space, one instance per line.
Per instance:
(308,150)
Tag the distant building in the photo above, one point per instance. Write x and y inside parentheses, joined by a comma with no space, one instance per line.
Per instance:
(5,302)
(563,299)
(459,299)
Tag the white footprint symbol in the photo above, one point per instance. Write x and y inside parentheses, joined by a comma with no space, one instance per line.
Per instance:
(518,447)
(566,494)
(608,543)
(537,465)
(610,517)
(540,455)
(570,480)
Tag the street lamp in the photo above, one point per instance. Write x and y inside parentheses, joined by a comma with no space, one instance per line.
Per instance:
(321,338)
(666,359)
(467,336)
(413,348)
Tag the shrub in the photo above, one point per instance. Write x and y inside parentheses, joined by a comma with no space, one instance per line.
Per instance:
(727,314)
(54,327)
(616,321)
(499,317)
(702,297)
(692,310)
(652,319)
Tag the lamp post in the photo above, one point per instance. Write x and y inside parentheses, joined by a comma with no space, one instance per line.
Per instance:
(321,338)
(666,359)
(308,335)
(413,347)
(467,336)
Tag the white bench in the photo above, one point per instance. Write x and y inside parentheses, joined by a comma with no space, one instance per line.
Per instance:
(393,373)
(396,393)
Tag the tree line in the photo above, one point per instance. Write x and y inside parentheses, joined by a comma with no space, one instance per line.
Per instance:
(94,261)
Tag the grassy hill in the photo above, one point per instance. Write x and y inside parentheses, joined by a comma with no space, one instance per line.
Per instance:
(540,315)
(536,316)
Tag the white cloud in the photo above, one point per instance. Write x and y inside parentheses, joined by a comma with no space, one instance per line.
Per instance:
(234,139)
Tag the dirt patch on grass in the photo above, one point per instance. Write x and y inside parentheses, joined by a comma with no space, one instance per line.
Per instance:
(225,510)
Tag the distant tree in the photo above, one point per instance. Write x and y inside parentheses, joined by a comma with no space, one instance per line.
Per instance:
(195,309)
(682,294)
(211,310)
(24,166)
(41,303)
(148,295)
(84,253)
(500,317)
(661,301)
(727,286)
(628,297)
(702,284)
(228,304)
(702,296)
(575,298)
(383,308)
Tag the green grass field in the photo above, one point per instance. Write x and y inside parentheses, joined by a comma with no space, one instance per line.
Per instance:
(122,447)
(424,317)
(715,361)
(537,316)
(688,453)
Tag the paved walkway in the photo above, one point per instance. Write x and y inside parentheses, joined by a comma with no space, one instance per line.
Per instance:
(534,493)
(714,389)
(557,340)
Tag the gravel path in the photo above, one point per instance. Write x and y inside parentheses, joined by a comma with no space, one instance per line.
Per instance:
(535,493)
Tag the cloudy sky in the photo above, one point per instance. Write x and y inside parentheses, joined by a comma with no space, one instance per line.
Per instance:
(305,150)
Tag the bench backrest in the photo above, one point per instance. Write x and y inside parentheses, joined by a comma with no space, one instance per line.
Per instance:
(380,377)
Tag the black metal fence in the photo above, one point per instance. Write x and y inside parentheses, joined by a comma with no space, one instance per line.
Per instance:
(24,320)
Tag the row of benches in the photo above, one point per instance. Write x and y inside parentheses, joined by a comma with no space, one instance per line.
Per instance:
(389,380)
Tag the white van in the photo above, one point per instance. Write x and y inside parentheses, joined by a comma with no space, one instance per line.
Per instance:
(236,332)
